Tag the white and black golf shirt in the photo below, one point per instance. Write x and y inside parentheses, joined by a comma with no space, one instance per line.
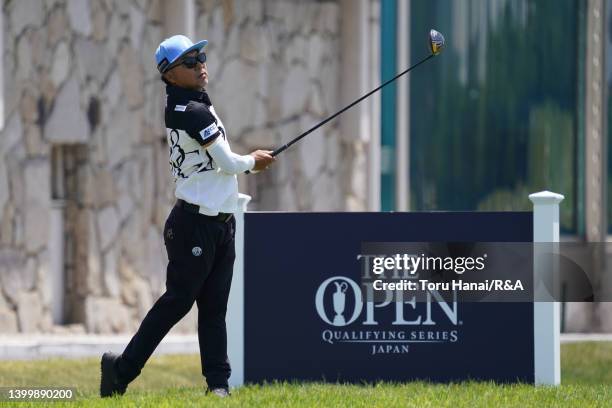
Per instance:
(191,123)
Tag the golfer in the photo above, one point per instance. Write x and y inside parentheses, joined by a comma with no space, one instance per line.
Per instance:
(199,232)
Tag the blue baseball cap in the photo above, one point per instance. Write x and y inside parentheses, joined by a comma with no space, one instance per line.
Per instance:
(171,49)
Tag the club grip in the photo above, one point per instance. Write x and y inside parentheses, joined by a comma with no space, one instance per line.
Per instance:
(273,154)
(279,150)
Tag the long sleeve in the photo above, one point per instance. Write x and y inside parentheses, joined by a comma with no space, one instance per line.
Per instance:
(227,160)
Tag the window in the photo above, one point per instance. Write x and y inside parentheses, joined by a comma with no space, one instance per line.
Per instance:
(494,117)
(69,249)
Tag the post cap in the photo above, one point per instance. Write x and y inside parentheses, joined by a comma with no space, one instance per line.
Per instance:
(243,201)
(546,197)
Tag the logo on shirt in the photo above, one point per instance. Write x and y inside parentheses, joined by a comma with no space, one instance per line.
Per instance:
(196,251)
(209,131)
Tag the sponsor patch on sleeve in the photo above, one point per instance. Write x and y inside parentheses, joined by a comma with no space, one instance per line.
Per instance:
(209,131)
(180,108)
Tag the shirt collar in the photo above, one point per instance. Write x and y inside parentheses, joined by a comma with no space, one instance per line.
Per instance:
(184,93)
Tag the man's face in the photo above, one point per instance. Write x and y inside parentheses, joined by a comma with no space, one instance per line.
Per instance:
(195,78)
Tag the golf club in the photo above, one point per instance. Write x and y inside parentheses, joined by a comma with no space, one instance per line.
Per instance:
(436,44)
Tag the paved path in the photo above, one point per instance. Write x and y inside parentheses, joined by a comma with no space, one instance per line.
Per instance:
(26,347)
(577,337)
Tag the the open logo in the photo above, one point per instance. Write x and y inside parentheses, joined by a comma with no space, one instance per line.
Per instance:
(339,293)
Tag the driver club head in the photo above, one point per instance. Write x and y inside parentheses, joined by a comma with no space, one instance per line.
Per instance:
(436,42)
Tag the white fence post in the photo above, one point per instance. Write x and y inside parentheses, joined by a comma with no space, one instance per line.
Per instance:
(235,307)
(546,311)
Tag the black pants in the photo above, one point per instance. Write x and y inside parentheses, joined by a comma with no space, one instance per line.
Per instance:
(200,265)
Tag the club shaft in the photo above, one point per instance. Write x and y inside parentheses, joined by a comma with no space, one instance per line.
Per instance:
(312,129)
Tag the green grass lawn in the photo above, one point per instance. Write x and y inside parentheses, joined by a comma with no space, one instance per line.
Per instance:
(176,381)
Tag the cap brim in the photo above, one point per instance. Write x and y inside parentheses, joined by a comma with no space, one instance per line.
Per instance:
(195,47)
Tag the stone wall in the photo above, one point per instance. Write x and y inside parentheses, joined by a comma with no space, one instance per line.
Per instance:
(84,133)
(275,72)
(83,106)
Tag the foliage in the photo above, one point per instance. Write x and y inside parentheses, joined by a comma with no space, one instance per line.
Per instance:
(494,115)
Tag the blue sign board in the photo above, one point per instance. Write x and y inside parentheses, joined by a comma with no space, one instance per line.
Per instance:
(306,318)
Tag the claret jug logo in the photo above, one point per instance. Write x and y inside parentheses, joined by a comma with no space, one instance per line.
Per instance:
(341,285)
(339,302)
